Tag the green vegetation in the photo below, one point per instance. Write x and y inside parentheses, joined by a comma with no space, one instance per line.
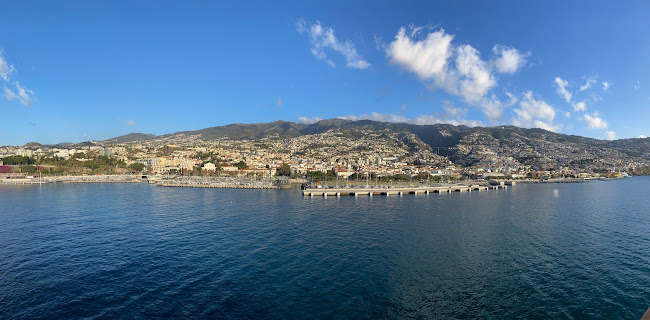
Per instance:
(241,165)
(17,160)
(642,171)
(30,169)
(59,166)
(137,166)
(284,170)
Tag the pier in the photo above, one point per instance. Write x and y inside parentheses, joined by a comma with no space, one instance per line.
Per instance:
(397,191)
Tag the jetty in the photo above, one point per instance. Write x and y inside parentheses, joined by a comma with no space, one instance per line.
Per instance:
(398,191)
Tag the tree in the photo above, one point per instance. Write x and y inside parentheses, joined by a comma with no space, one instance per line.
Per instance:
(78,155)
(29,169)
(241,165)
(17,160)
(137,166)
(284,170)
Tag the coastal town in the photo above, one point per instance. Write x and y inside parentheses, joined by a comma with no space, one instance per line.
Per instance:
(336,154)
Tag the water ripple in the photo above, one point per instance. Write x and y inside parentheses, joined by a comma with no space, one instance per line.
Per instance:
(136,251)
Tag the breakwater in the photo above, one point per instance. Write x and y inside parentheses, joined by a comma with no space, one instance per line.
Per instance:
(73,179)
(217,185)
(217,182)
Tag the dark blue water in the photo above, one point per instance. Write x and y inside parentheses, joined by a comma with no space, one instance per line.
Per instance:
(135,251)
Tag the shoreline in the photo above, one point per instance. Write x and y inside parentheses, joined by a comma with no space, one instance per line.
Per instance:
(235,183)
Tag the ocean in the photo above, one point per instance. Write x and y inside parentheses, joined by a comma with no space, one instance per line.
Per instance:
(138,251)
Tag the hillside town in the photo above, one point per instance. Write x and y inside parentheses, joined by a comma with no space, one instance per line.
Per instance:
(334,154)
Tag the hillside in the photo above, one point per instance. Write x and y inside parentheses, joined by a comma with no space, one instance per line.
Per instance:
(486,146)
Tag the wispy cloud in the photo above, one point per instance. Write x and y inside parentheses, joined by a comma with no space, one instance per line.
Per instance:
(610,135)
(22,94)
(641,136)
(279,102)
(8,94)
(130,123)
(562,89)
(382,93)
(5,68)
(19,93)
(589,81)
(606,85)
(637,86)
(580,106)
(323,38)
(513,99)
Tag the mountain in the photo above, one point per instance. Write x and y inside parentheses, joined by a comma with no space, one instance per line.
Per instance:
(278,129)
(468,146)
(131,137)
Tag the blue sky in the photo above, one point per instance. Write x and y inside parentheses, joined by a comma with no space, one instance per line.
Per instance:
(91,70)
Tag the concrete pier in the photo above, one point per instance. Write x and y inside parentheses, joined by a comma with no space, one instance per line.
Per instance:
(338,192)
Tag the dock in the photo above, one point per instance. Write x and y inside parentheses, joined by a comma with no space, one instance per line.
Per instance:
(389,191)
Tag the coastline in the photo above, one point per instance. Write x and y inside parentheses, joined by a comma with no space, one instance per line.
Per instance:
(248,183)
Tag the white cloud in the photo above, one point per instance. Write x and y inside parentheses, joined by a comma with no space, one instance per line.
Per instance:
(278,102)
(637,86)
(379,43)
(513,99)
(308,120)
(610,135)
(8,94)
(404,107)
(547,126)
(606,85)
(5,68)
(459,70)
(641,136)
(579,106)
(22,94)
(493,108)
(589,81)
(535,113)
(452,112)
(561,89)
(594,121)
(130,123)
(427,58)
(567,114)
(509,59)
(476,80)
(424,119)
(322,38)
